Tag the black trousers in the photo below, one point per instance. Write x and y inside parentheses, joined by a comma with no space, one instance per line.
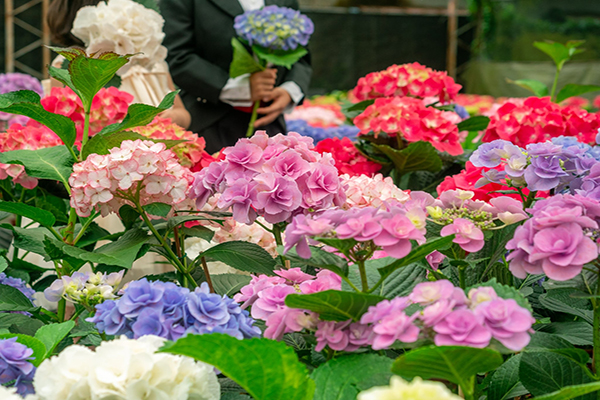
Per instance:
(233,126)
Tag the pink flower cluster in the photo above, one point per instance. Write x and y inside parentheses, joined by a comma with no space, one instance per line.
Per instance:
(29,137)
(364,191)
(318,115)
(411,119)
(138,170)
(445,315)
(558,239)
(414,80)
(266,295)
(191,153)
(275,177)
(475,104)
(533,120)
(347,158)
(389,228)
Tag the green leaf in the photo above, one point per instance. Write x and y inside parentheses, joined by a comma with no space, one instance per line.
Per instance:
(158,209)
(506,292)
(560,53)
(23,322)
(536,87)
(545,372)
(334,305)
(55,163)
(198,231)
(3,264)
(403,280)
(452,363)
(45,218)
(129,216)
(571,392)
(243,256)
(342,245)
(229,284)
(282,58)
(319,258)
(505,382)
(561,301)
(344,377)
(31,239)
(571,90)
(266,369)
(180,219)
(39,350)
(579,333)
(474,124)
(542,341)
(11,299)
(417,156)
(26,102)
(352,110)
(51,335)
(243,62)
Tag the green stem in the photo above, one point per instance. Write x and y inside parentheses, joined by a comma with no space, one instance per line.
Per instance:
(461,277)
(596,330)
(207,274)
(552,93)
(278,239)
(349,282)
(60,312)
(83,229)
(86,128)
(70,229)
(468,392)
(529,200)
(250,130)
(77,313)
(363,276)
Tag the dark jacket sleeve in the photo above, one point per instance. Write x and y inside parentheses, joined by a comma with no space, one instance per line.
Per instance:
(301,72)
(190,72)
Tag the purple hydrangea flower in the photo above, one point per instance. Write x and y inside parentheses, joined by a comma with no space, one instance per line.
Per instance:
(318,133)
(274,28)
(15,365)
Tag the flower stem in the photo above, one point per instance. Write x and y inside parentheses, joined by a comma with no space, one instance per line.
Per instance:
(70,229)
(250,130)
(60,311)
(278,239)
(552,93)
(207,274)
(461,277)
(363,276)
(86,128)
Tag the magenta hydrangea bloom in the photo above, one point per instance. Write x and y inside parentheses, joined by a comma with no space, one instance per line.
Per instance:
(427,293)
(468,236)
(462,327)
(507,321)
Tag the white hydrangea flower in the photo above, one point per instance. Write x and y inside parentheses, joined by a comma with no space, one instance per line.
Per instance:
(418,389)
(364,191)
(125,369)
(11,394)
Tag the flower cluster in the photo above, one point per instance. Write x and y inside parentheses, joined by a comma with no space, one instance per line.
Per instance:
(414,80)
(12,82)
(445,315)
(535,119)
(19,284)
(266,295)
(475,104)
(348,160)
(191,153)
(317,115)
(123,27)
(274,28)
(138,172)
(364,191)
(577,102)
(85,288)
(109,106)
(275,177)
(320,133)
(540,166)
(417,389)
(411,119)
(558,239)
(390,227)
(170,311)
(124,369)
(16,368)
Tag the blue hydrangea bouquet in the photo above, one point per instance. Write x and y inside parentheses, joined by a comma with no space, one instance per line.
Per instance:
(277,36)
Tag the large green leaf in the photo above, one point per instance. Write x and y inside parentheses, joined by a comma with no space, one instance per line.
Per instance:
(538,88)
(505,383)
(39,350)
(55,163)
(11,299)
(548,342)
(474,124)
(244,256)
(283,58)
(266,369)
(452,363)
(31,239)
(158,209)
(403,280)
(51,335)
(19,323)
(417,156)
(243,62)
(560,53)
(579,333)
(229,284)
(334,305)
(26,102)
(571,392)
(344,377)
(561,301)
(45,218)
(352,111)
(546,372)
(571,90)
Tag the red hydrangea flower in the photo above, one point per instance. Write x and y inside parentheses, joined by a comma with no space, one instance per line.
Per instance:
(410,118)
(407,80)
(348,160)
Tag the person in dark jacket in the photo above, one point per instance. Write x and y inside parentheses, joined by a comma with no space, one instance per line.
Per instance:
(198,37)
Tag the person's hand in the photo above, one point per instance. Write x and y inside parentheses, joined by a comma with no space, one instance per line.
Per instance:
(281,99)
(262,84)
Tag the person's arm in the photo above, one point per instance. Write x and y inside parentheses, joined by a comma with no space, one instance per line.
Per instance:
(200,77)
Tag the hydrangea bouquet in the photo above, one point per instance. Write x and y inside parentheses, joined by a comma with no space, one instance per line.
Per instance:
(277,36)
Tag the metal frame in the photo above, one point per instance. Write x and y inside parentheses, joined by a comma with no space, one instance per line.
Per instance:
(12,54)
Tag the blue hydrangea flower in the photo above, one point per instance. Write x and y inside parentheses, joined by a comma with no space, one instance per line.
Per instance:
(15,366)
(17,283)
(274,28)
(302,127)
(167,310)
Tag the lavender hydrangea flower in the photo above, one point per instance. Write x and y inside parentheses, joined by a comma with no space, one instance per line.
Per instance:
(14,81)
(15,365)
(274,28)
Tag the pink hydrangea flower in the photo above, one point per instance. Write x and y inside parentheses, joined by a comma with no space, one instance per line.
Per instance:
(468,236)
(294,275)
(507,321)
(397,326)
(332,334)
(462,327)
(427,293)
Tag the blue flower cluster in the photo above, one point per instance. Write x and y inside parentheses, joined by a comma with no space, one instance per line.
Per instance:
(170,311)
(561,164)
(15,366)
(302,127)
(274,28)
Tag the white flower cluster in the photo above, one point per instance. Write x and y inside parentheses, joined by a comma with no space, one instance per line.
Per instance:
(11,394)
(124,369)
(418,389)
(364,191)
(123,27)
(85,288)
